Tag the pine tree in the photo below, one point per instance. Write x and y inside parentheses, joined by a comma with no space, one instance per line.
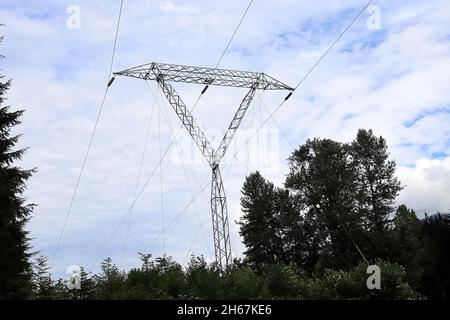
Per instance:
(15,265)
(42,279)
(111,282)
(87,289)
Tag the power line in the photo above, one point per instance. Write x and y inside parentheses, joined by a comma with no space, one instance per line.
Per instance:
(92,135)
(305,77)
(131,207)
(277,124)
(191,110)
(161,181)
(296,87)
(333,44)
(225,50)
(233,35)
(175,220)
(166,118)
(115,39)
(139,176)
(195,240)
(262,124)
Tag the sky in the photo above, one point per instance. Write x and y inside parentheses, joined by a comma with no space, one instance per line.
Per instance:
(388,73)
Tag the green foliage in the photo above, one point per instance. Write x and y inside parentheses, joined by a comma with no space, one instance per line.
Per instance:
(260,225)
(352,284)
(15,265)
(436,280)
(335,212)
(376,189)
(407,245)
(302,241)
(242,283)
(42,279)
(336,207)
(110,282)
(281,282)
(162,278)
(171,278)
(322,179)
(203,280)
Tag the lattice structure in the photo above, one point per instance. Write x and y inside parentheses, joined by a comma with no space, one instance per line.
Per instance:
(166,73)
(206,76)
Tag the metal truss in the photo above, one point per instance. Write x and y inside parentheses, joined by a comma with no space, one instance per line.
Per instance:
(237,119)
(205,76)
(187,119)
(165,73)
(219,213)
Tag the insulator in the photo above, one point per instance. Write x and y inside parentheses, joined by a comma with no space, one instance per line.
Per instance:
(205,88)
(111,81)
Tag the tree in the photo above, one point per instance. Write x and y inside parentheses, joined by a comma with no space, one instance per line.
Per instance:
(377,188)
(15,265)
(87,289)
(203,281)
(171,278)
(338,284)
(259,225)
(242,282)
(42,279)
(142,282)
(407,246)
(322,179)
(436,279)
(111,282)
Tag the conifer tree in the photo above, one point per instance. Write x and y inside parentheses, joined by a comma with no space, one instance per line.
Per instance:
(15,265)
(42,279)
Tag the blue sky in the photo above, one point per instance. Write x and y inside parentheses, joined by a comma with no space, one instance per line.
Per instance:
(393,80)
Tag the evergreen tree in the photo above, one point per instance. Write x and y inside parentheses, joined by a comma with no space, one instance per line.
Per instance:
(15,265)
(87,289)
(42,279)
(111,282)
(171,278)
(61,291)
(259,226)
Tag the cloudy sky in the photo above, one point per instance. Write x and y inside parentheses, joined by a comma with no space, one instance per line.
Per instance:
(390,72)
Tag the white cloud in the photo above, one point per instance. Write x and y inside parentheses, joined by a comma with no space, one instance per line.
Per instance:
(427,186)
(169,7)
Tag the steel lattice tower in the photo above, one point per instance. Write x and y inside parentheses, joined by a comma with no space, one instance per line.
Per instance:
(165,73)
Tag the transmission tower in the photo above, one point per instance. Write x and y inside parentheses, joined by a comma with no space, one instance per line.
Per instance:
(166,73)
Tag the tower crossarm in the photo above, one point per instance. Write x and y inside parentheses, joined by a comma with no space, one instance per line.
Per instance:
(205,76)
(186,118)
